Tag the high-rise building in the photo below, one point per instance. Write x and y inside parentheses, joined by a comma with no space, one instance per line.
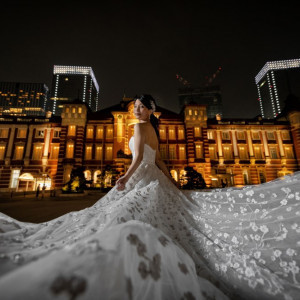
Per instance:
(23,99)
(275,81)
(209,96)
(71,82)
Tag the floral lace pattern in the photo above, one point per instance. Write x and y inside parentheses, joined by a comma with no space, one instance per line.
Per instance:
(153,241)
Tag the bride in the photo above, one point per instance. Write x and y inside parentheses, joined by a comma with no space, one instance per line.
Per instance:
(146,239)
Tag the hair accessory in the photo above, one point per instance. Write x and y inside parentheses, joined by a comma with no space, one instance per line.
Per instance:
(152,105)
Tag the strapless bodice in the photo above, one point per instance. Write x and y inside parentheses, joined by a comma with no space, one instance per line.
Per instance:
(149,153)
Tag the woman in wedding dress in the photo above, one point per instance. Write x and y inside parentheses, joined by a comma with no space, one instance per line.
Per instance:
(146,239)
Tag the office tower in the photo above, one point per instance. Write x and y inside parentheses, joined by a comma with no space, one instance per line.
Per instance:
(209,96)
(275,81)
(23,99)
(72,82)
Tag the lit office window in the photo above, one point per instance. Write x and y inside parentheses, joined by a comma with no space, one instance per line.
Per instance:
(181,133)
(212,152)
(243,152)
(182,152)
(198,150)
(2,151)
(227,152)
(210,134)
(70,150)
(108,152)
(37,152)
(79,110)
(88,152)
(72,130)
(40,133)
(19,150)
(172,134)
(89,133)
(54,151)
(109,132)
(99,134)
(289,152)
(98,154)
(197,132)
(56,133)
(73,110)
(162,133)
(258,152)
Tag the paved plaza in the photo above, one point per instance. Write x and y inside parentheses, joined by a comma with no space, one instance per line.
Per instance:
(28,208)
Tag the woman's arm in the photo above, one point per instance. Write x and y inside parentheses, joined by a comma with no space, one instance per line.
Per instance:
(139,141)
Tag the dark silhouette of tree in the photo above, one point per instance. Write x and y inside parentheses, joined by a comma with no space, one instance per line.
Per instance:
(192,179)
(77,182)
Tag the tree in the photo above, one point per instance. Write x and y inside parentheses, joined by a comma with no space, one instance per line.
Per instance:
(192,179)
(77,182)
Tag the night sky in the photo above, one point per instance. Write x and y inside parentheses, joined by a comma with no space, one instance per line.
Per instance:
(139,47)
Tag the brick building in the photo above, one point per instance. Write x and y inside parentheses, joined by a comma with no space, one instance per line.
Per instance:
(44,150)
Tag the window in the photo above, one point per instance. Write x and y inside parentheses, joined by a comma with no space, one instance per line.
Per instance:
(79,110)
(99,134)
(285,135)
(14,178)
(54,151)
(109,132)
(3,133)
(273,152)
(108,152)
(243,152)
(255,135)
(40,133)
(22,133)
(19,150)
(210,134)
(225,135)
(190,112)
(98,154)
(262,176)
(198,150)
(172,134)
(56,133)
(162,133)
(163,151)
(89,133)
(72,130)
(70,149)
(2,151)
(258,152)
(246,177)
(172,151)
(67,109)
(212,152)
(73,110)
(227,152)
(270,135)
(180,133)
(37,152)
(88,152)
(289,154)
(182,152)
(197,131)
(240,135)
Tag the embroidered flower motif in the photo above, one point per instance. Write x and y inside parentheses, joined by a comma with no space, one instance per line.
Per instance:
(290,252)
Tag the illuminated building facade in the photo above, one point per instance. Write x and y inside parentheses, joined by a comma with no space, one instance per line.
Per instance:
(23,99)
(208,95)
(44,150)
(70,82)
(275,81)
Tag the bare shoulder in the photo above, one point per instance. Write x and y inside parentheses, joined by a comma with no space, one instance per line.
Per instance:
(140,127)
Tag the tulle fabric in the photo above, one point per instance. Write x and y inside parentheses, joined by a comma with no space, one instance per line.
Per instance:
(153,241)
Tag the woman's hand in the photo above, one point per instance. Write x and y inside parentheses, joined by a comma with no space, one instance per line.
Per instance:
(121,183)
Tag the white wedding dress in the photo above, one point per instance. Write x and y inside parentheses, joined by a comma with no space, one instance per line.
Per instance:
(152,241)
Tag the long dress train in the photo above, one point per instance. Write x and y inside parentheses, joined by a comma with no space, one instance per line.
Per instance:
(153,241)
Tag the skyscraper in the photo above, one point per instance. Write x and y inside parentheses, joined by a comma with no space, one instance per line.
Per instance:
(209,96)
(71,82)
(275,81)
(23,99)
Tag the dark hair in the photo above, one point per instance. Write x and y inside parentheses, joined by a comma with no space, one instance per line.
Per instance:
(150,103)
